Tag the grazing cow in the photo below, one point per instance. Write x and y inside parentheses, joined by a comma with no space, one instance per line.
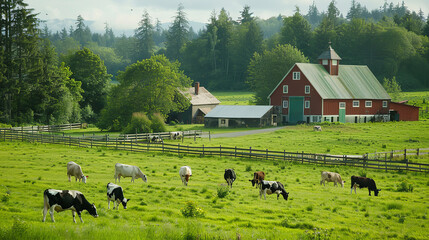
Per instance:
(229,176)
(61,200)
(270,187)
(116,195)
(176,135)
(155,139)
(257,178)
(73,169)
(331,177)
(363,182)
(185,172)
(123,170)
(317,128)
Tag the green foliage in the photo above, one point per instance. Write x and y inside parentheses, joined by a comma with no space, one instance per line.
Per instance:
(222,191)
(158,124)
(392,87)
(317,234)
(266,70)
(404,186)
(192,210)
(140,123)
(149,86)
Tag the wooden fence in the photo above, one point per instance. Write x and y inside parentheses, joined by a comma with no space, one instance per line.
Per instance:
(51,128)
(221,151)
(398,154)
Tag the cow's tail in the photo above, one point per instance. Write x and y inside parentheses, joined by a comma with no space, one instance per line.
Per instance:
(46,199)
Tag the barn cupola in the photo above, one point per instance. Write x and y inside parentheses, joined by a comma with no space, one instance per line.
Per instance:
(330,60)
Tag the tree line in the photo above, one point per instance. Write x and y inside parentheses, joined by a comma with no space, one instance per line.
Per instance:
(67,76)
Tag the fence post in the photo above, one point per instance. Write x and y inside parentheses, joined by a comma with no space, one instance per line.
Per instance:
(178,149)
(385,161)
(162,146)
(235,152)
(250,152)
(195,135)
(345,160)
(302,157)
(418,151)
(405,154)
(220,150)
(203,150)
(266,155)
(131,142)
(284,155)
(210,136)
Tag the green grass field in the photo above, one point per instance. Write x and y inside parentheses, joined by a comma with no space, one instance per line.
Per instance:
(154,212)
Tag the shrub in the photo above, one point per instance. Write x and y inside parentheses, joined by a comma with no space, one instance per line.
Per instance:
(362,173)
(248,168)
(140,123)
(157,123)
(394,205)
(222,191)
(191,210)
(405,187)
(5,198)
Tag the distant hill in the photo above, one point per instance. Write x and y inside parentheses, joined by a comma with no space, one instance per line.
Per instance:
(56,25)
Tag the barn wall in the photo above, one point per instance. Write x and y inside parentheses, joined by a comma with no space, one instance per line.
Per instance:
(194,108)
(297,88)
(406,112)
(332,106)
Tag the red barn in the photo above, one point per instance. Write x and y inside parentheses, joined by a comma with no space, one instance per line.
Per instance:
(399,111)
(330,92)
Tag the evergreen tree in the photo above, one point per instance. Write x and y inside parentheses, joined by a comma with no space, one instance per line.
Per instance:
(296,31)
(144,38)
(177,35)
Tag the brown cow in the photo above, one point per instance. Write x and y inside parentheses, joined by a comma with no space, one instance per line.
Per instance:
(257,178)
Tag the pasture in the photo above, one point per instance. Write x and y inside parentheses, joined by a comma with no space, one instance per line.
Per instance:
(154,212)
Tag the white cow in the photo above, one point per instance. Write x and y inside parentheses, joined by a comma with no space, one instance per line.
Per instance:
(73,169)
(331,177)
(176,135)
(185,172)
(123,170)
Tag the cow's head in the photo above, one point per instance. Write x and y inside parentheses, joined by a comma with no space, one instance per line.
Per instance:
(376,191)
(84,178)
(285,195)
(253,182)
(93,211)
(342,183)
(144,178)
(124,202)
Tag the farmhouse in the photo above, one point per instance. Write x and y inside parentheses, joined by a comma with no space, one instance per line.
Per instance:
(202,102)
(240,116)
(330,92)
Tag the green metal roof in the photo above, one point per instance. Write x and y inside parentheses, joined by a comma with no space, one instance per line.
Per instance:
(352,82)
(329,54)
(237,111)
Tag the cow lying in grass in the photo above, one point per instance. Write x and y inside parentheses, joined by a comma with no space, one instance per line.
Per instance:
(270,187)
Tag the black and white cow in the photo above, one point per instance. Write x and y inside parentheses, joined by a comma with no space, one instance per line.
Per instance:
(229,176)
(270,187)
(155,139)
(364,182)
(61,200)
(116,195)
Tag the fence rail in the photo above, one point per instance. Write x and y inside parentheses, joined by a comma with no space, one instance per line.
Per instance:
(180,149)
(51,128)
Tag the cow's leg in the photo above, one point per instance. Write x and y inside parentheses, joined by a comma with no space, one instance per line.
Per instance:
(132,179)
(51,212)
(45,211)
(79,214)
(369,192)
(74,214)
(108,203)
(69,178)
(265,193)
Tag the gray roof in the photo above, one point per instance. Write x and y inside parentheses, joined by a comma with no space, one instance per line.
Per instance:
(237,111)
(329,54)
(204,97)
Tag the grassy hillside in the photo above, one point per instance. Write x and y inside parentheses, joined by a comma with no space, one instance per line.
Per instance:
(154,212)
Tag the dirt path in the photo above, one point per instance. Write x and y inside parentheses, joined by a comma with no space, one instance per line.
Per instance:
(242,133)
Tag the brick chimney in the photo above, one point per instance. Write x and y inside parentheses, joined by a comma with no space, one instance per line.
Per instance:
(197,87)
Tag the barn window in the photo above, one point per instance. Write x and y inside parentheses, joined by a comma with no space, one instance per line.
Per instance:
(324,62)
(334,62)
(296,75)
(307,104)
(355,103)
(342,105)
(307,89)
(222,121)
(285,88)
(368,103)
(285,103)
(385,104)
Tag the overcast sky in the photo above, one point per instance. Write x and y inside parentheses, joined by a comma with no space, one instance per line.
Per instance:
(125,14)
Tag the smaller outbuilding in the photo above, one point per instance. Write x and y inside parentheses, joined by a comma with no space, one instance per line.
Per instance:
(400,111)
(241,116)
